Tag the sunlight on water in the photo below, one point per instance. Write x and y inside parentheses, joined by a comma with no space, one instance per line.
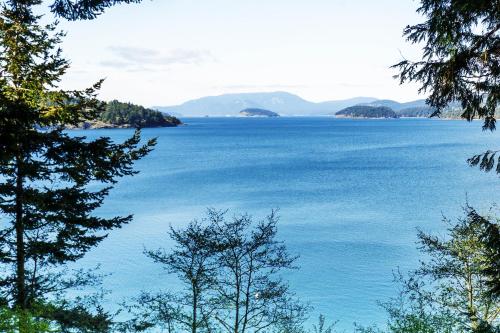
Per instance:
(351,194)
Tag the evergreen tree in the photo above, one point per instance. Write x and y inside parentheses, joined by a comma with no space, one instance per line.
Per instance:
(46,203)
(461,63)
(461,56)
(452,279)
(73,9)
(491,239)
(451,290)
(118,113)
(84,9)
(20,321)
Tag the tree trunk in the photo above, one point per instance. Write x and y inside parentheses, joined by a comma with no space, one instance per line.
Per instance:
(21,300)
(470,298)
(247,296)
(194,324)
(237,301)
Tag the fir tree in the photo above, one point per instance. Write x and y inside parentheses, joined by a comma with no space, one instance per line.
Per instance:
(460,62)
(46,204)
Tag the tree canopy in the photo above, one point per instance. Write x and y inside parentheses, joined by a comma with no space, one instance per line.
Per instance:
(461,63)
(47,208)
(451,290)
(231,275)
(367,111)
(118,113)
(461,56)
(72,9)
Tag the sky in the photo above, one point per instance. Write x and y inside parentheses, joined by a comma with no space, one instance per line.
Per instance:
(165,52)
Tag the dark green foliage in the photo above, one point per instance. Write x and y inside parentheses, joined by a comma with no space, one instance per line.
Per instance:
(51,317)
(486,161)
(461,59)
(461,63)
(258,112)
(419,111)
(46,204)
(365,111)
(492,269)
(490,236)
(83,9)
(77,318)
(120,114)
(72,9)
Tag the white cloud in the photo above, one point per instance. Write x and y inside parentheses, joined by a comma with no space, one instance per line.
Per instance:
(143,59)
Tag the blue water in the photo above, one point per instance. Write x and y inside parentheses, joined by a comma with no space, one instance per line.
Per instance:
(351,194)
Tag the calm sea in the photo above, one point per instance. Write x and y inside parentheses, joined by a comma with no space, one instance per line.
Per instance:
(351,194)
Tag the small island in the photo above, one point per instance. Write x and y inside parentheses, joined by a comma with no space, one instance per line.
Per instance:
(254,112)
(127,115)
(417,112)
(365,111)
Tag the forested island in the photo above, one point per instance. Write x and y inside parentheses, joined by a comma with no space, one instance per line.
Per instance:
(127,115)
(366,111)
(417,112)
(255,112)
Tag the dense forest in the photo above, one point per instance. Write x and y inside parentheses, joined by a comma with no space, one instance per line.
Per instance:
(453,111)
(365,111)
(418,111)
(255,112)
(131,115)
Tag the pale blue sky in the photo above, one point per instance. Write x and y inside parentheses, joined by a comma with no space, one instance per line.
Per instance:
(164,52)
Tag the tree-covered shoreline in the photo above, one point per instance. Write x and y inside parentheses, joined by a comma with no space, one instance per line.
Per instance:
(117,114)
(365,111)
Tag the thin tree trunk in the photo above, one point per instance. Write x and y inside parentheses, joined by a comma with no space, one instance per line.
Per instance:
(194,324)
(247,296)
(20,252)
(470,298)
(237,314)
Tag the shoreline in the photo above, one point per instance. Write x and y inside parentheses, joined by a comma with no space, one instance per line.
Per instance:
(318,116)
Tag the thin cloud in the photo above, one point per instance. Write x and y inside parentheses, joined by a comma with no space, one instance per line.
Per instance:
(143,59)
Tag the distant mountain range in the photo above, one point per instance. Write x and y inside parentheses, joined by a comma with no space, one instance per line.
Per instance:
(287,104)
(282,103)
(396,106)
